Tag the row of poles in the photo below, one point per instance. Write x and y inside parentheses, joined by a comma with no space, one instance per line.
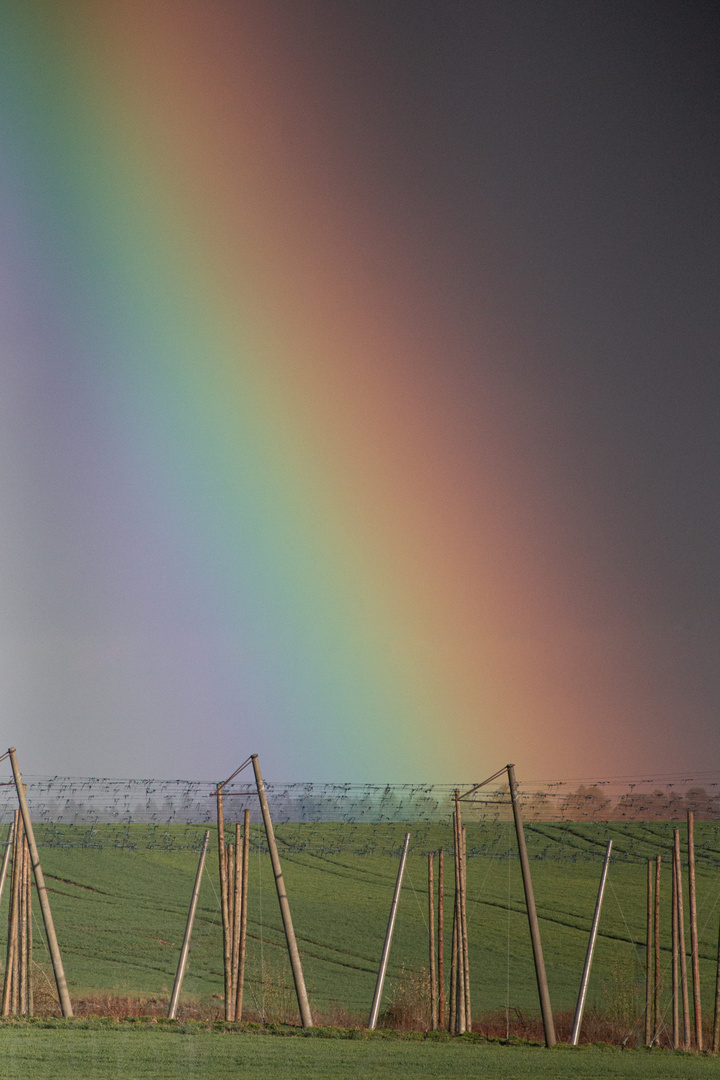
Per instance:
(17,993)
(684,1033)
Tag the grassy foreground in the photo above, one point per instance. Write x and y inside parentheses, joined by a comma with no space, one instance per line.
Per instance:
(73,1051)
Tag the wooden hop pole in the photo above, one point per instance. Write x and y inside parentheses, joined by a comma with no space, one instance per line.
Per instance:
(675,960)
(243,916)
(10,956)
(466,948)
(657,1013)
(460,999)
(681,940)
(441,931)
(182,962)
(716,1018)
(694,948)
(294,954)
(226,932)
(649,957)
(543,992)
(57,963)
(431,926)
(8,852)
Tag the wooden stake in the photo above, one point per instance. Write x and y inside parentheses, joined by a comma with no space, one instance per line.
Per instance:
(657,1012)
(8,853)
(23,951)
(452,1020)
(30,990)
(431,925)
(182,962)
(460,1024)
(237,917)
(649,958)
(377,997)
(57,963)
(243,916)
(543,993)
(716,1019)
(466,945)
(294,954)
(10,961)
(675,960)
(683,950)
(222,865)
(441,929)
(694,948)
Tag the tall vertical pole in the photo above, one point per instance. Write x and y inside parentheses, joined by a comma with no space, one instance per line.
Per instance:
(441,947)
(11,952)
(377,997)
(675,960)
(649,957)
(431,927)
(237,918)
(57,963)
(460,1024)
(716,1018)
(683,951)
(694,948)
(224,907)
(182,963)
(580,1008)
(243,916)
(543,992)
(293,952)
(466,949)
(657,1012)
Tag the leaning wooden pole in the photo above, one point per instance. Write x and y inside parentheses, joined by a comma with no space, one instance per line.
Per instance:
(681,938)
(382,969)
(460,1019)
(182,962)
(649,957)
(431,942)
(57,963)
(580,1007)
(243,916)
(441,931)
(694,948)
(543,992)
(295,962)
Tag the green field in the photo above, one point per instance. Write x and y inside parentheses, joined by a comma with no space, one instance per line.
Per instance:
(136,1053)
(120,896)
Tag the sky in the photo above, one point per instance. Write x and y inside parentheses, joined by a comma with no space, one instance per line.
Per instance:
(359,388)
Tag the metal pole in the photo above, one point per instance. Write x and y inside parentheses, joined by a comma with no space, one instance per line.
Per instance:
(295,963)
(575,1037)
(388,939)
(547,1017)
(182,963)
(694,948)
(57,963)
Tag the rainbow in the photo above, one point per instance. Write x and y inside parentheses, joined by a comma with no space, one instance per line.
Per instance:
(251,508)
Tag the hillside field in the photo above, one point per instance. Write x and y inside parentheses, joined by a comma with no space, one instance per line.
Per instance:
(120,895)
